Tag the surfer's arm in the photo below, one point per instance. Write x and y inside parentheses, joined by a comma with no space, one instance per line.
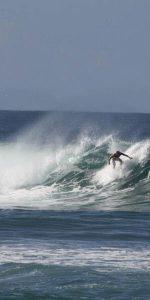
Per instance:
(126,155)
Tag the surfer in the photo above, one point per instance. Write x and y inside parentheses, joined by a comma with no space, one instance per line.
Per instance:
(116,157)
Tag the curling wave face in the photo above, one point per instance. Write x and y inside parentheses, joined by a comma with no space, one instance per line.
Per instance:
(73,175)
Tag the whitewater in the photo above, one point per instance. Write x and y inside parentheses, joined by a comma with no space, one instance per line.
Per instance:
(72,226)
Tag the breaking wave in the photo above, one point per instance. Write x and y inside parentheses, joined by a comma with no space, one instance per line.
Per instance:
(53,173)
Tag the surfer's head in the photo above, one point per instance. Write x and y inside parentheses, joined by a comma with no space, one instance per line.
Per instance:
(118,152)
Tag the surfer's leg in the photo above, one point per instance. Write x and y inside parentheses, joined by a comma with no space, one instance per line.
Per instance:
(114,163)
(121,162)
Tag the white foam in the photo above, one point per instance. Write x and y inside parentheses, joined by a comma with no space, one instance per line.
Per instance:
(23,165)
(82,255)
(140,151)
(108,175)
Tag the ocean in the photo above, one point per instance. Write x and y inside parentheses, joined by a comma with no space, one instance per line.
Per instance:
(71,226)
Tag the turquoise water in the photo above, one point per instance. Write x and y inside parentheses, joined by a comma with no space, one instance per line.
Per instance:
(72,227)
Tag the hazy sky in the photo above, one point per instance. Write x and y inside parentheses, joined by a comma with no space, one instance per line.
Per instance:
(75,55)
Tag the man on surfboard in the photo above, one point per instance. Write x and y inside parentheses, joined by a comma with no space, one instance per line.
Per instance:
(116,157)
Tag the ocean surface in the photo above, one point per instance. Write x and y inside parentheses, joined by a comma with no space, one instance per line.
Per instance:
(71,226)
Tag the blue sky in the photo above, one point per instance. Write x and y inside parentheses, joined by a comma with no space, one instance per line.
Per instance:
(75,55)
